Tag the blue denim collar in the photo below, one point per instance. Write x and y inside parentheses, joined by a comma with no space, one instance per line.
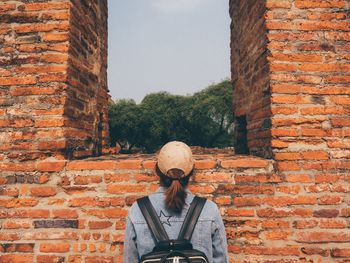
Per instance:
(162,189)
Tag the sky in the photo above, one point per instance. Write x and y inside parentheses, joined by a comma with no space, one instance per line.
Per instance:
(179,46)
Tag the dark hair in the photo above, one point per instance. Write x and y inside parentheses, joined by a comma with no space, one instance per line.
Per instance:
(176,194)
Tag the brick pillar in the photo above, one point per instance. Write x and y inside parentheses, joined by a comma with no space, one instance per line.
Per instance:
(309,59)
(250,77)
(53,83)
(290,69)
(306,44)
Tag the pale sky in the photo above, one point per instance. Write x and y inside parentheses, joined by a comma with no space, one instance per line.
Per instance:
(180,46)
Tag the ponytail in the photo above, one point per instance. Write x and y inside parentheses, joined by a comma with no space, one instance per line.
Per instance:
(176,193)
(175,196)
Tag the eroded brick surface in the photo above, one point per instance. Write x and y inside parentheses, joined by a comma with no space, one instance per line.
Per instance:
(290,67)
(53,58)
(81,209)
(303,47)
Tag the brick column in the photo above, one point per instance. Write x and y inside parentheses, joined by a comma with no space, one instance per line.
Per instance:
(53,79)
(250,76)
(290,70)
(302,95)
(309,67)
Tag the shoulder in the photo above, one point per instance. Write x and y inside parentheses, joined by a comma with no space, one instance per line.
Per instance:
(135,214)
(210,210)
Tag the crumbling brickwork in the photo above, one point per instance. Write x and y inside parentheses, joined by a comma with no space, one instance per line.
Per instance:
(87,97)
(250,77)
(290,67)
(307,49)
(53,73)
(75,211)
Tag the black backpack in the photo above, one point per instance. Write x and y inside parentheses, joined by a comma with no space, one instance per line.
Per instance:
(172,251)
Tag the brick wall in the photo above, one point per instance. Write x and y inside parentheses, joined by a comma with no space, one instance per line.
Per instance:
(308,67)
(74,211)
(291,72)
(249,74)
(88,97)
(52,74)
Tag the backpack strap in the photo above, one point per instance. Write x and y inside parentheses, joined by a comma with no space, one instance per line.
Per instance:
(157,230)
(191,218)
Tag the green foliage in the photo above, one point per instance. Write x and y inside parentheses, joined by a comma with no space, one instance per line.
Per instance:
(124,123)
(211,116)
(204,119)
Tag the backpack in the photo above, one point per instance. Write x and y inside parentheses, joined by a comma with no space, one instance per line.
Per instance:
(179,250)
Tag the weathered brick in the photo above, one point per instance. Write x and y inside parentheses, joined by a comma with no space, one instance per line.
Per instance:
(330,200)
(326,213)
(240,212)
(92,165)
(214,177)
(18,247)
(44,6)
(244,163)
(51,166)
(320,3)
(275,224)
(278,213)
(143,178)
(340,252)
(315,251)
(322,237)
(7,7)
(129,164)
(9,236)
(54,37)
(16,258)
(304,224)
(85,180)
(125,188)
(266,251)
(65,213)
(333,223)
(55,223)
(41,123)
(16,224)
(296,57)
(108,213)
(43,191)
(99,259)
(9,81)
(205,164)
(50,259)
(54,248)
(278,4)
(100,224)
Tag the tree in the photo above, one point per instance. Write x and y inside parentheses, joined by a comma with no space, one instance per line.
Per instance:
(204,119)
(124,122)
(212,117)
(163,119)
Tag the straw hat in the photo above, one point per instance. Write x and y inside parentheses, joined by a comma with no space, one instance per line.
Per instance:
(177,155)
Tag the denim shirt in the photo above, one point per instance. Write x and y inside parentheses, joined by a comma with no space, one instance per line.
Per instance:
(209,234)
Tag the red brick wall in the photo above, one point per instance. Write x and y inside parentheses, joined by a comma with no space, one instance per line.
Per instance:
(307,51)
(43,92)
(249,68)
(291,209)
(88,93)
(74,211)
(309,66)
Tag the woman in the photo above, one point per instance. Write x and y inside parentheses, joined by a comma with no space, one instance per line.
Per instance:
(171,201)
